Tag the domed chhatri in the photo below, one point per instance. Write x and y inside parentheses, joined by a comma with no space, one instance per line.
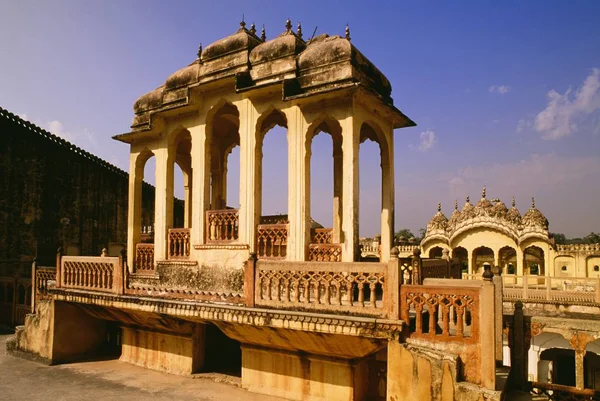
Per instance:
(493,215)
(308,67)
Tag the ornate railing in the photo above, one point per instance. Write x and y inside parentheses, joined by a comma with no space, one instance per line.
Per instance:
(144,258)
(102,273)
(578,247)
(370,250)
(179,243)
(556,289)
(322,236)
(44,278)
(271,241)
(559,392)
(222,225)
(441,312)
(341,287)
(325,252)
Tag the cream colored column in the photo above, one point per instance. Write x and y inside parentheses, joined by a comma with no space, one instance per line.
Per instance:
(187,185)
(298,187)
(134,209)
(200,181)
(471,260)
(249,170)
(350,186)
(338,174)
(387,198)
(520,261)
(163,204)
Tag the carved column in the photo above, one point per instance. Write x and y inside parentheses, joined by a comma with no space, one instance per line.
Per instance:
(579,343)
(350,187)
(134,213)
(200,180)
(471,260)
(338,175)
(250,170)
(387,196)
(163,205)
(298,186)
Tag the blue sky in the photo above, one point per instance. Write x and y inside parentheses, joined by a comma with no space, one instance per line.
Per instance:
(505,94)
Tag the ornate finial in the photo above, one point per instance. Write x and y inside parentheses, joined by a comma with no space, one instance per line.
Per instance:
(468,199)
(263,34)
(253,29)
(532,202)
(347,31)
(455,204)
(439,207)
(200,50)
(299,32)
(288,25)
(513,202)
(243,23)
(483,192)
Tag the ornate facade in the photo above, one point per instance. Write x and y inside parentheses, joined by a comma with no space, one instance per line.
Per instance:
(491,233)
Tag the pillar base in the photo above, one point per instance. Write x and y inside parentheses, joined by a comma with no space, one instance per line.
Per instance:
(301,376)
(172,353)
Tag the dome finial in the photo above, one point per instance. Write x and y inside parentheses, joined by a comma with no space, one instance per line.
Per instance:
(532,202)
(483,192)
(263,34)
(199,50)
(439,207)
(455,204)
(288,25)
(347,31)
(242,22)
(513,202)
(468,199)
(253,29)
(299,32)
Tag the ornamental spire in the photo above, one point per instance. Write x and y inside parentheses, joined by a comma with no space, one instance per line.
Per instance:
(483,192)
(243,23)
(347,31)
(199,50)
(253,29)
(455,204)
(513,202)
(439,207)
(288,25)
(263,34)
(299,31)
(468,199)
(532,202)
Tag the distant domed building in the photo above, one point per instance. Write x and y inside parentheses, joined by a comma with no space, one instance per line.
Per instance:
(490,233)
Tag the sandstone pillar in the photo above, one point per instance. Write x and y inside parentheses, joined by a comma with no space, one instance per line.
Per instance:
(350,187)
(387,197)
(163,204)
(298,187)
(250,170)
(519,349)
(470,268)
(579,343)
(200,181)
(338,174)
(134,207)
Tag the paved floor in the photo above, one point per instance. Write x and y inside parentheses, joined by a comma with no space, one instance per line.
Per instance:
(109,380)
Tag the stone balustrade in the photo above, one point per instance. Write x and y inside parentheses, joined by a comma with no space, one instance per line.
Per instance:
(322,236)
(271,241)
(222,226)
(42,278)
(337,287)
(144,258)
(568,248)
(179,243)
(325,252)
(102,273)
(565,290)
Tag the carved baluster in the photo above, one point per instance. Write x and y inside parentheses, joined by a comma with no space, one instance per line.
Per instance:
(432,319)
(269,289)
(327,286)
(349,293)
(296,289)
(338,293)
(372,296)
(418,318)
(459,321)
(361,294)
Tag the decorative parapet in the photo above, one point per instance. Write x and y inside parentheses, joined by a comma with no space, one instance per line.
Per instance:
(271,241)
(222,226)
(337,287)
(578,248)
(179,243)
(325,252)
(322,236)
(563,290)
(92,273)
(144,258)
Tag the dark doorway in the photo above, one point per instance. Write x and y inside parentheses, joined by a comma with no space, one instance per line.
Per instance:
(223,355)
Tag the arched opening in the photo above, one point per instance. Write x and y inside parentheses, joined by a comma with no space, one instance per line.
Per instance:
(481,256)
(272,185)
(461,256)
(436,252)
(146,165)
(325,155)
(224,172)
(374,185)
(507,257)
(182,180)
(534,261)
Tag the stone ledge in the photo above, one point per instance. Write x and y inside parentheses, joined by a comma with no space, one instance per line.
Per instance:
(202,311)
(235,247)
